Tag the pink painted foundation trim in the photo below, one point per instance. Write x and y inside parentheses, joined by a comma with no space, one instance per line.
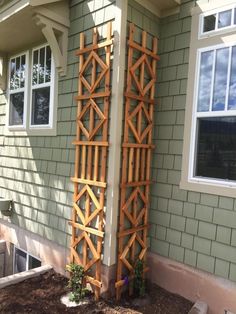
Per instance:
(193,284)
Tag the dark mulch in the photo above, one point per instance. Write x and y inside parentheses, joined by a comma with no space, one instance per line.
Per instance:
(41,295)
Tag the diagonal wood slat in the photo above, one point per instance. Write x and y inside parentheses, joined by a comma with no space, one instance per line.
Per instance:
(136,153)
(91,145)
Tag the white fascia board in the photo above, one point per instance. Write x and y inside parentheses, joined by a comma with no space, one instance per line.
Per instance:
(14,9)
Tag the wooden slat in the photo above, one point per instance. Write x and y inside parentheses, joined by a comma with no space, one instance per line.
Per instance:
(137,145)
(87,229)
(135,184)
(138,97)
(94,47)
(133,44)
(91,143)
(93,96)
(131,231)
(90,182)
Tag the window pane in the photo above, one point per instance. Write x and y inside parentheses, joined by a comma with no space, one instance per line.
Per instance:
(35,69)
(33,262)
(209,23)
(22,75)
(48,64)
(232,84)
(224,19)
(20,261)
(16,109)
(216,148)
(41,66)
(17,73)
(204,88)
(40,106)
(12,75)
(220,82)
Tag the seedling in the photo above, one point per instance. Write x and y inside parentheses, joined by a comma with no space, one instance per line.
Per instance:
(139,283)
(76,282)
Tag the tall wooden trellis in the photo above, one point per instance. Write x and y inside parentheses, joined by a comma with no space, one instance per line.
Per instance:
(91,147)
(136,158)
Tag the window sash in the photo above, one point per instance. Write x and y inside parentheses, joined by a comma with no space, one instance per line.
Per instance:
(13,91)
(28,255)
(196,115)
(212,112)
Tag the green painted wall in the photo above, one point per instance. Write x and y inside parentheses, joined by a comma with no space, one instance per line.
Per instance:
(35,171)
(194,228)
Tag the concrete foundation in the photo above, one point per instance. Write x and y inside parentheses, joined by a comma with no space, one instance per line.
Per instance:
(218,293)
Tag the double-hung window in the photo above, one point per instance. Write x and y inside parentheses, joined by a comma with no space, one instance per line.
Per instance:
(209,155)
(32,92)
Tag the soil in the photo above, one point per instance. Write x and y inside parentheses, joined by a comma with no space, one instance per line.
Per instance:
(42,295)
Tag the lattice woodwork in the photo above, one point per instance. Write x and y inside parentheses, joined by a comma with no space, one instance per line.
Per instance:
(91,147)
(136,152)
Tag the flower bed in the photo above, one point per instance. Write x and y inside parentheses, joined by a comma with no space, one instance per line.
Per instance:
(42,295)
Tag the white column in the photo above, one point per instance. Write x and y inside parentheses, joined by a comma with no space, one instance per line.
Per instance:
(115,140)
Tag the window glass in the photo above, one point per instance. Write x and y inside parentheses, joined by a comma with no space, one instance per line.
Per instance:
(224,18)
(41,88)
(205,79)
(35,70)
(216,149)
(48,64)
(20,261)
(209,23)
(40,106)
(220,82)
(16,108)
(17,92)
(232,84)
(33,262)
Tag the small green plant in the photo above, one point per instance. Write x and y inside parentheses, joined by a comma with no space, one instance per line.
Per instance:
(139,283)
(76,282)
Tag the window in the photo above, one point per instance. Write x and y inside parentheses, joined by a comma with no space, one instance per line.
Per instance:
(32,92)
(209,151)
(214,150)
(24,261)
(218,20)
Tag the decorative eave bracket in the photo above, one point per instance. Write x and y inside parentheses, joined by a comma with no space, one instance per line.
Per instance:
(55,29)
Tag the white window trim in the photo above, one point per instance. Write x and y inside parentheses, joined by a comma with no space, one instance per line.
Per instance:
(27,129)
(188,182)
(27,258)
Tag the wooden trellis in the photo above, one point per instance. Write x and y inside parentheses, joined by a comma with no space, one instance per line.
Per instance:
(91,147)
(136,154)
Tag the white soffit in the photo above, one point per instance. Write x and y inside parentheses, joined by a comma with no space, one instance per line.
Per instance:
(161,8)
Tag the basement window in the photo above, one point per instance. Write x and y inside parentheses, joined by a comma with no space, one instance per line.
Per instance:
(32,92)
(23,261)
